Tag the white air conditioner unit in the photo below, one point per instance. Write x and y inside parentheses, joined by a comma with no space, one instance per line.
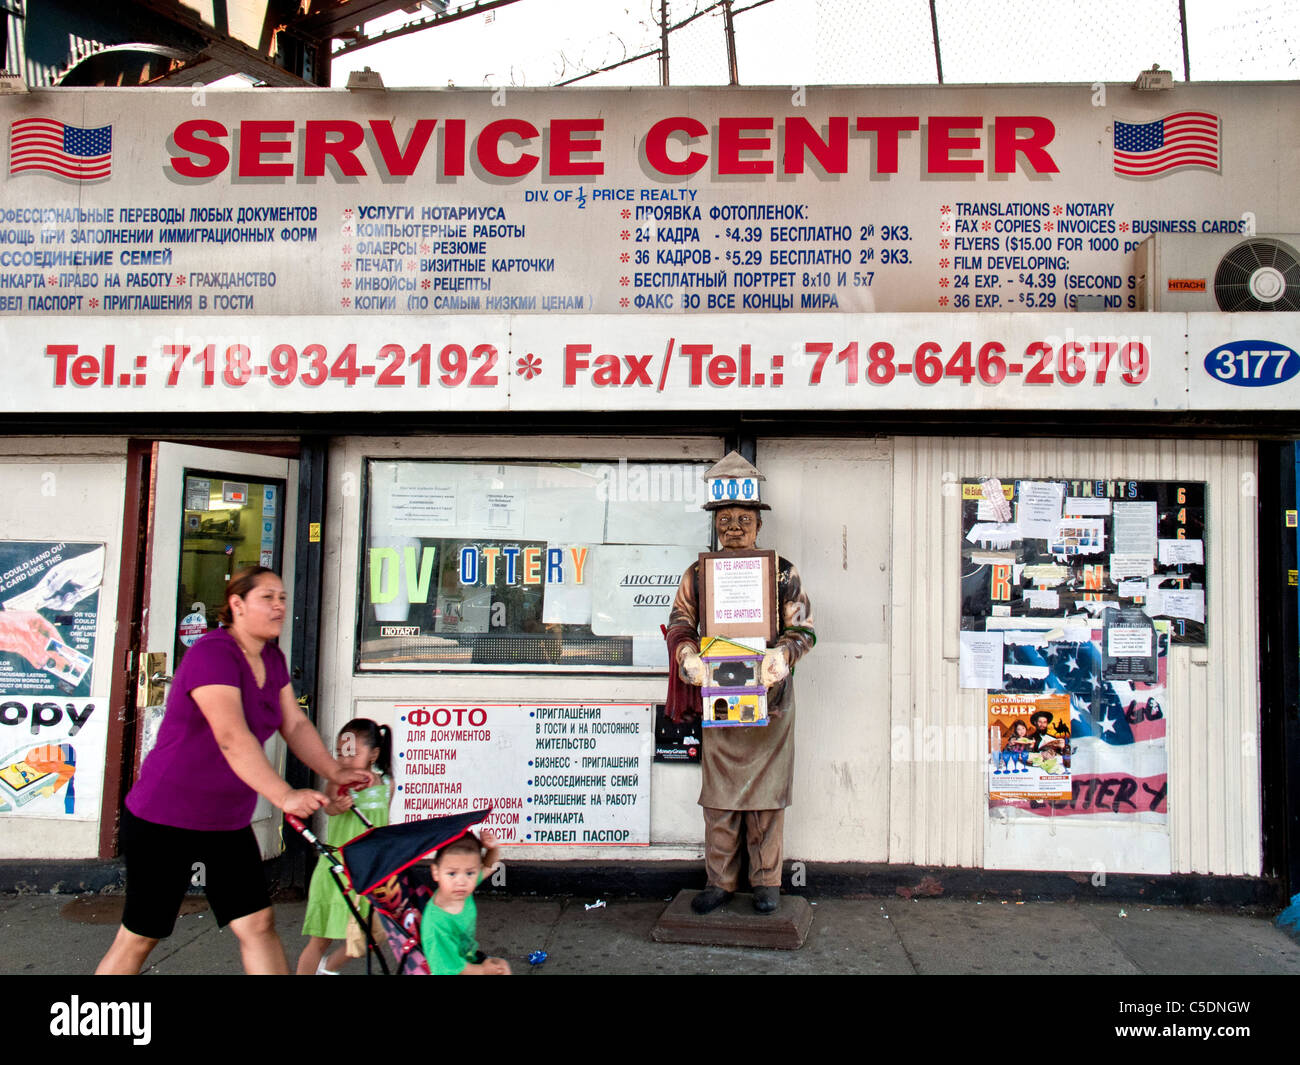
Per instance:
(1214,272)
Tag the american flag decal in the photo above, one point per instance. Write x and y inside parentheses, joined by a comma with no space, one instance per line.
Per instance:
(42,144)
(1175,142)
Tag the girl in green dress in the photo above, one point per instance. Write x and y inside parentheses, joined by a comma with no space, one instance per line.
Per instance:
(362,744)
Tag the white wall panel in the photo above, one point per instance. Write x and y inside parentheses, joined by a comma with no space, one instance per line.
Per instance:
(890,762)
(830,517)
(71,489)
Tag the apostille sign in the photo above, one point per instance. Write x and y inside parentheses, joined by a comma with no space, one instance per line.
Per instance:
(609,201)
(572,774)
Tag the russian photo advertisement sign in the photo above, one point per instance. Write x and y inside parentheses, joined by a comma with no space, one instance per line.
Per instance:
(555,774)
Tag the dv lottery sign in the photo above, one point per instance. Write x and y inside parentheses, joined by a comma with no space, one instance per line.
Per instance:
(559,201)
(557,774)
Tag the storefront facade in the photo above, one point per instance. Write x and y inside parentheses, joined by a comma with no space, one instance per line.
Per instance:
(471,380)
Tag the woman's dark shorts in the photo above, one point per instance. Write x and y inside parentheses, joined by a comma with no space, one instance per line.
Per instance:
(163,862)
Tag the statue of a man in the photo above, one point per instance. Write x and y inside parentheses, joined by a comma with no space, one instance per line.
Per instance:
(747,771)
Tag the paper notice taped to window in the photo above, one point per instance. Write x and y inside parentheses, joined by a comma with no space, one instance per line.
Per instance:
(1038,508)
(1086,507)
(1182,552)
(1135,528)
(1178,604)
(980,663)
(996,497)
(1042,598)
(1122,566)
(999,535)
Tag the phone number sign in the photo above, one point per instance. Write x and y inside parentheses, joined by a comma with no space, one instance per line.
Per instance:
(601,362)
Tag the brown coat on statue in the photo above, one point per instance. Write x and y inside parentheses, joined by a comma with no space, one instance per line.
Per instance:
(747,771)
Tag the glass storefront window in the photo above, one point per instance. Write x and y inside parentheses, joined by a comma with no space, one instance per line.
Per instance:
(525,566)
(227,524)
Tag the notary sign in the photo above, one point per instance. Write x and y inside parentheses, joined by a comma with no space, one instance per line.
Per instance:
(556,774)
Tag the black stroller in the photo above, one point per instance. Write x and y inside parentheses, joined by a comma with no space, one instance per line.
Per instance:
(382,865)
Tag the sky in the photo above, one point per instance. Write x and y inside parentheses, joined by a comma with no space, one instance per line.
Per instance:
(792,42)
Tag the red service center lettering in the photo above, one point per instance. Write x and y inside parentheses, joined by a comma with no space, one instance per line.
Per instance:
(675,146)
(273,148)
(744,145)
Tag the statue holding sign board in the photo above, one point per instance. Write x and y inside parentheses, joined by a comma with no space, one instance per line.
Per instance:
(750,606)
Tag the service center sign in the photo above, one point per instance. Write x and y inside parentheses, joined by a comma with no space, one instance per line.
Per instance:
(938,199)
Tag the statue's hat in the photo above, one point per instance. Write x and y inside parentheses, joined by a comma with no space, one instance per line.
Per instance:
(733,482)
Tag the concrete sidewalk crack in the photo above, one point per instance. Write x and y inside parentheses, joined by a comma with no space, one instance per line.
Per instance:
(1088,916)
(898,936)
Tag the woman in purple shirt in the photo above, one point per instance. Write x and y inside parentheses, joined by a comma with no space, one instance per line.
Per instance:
(191,808)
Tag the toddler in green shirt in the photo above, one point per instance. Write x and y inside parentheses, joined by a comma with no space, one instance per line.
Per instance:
(448,926)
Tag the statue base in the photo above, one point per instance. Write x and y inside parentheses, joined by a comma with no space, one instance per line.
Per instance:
(735,924)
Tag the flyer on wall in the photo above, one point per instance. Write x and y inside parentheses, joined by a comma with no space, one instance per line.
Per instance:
(54,732)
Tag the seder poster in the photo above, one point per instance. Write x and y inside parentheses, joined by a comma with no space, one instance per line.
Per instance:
(53,731)
(1029,746)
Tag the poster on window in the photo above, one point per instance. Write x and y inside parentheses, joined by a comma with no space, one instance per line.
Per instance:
(1108,734)
(50,594)
(52,756)
(522,565)
(572,774)
(633,586)
(1029,746)
(1067,552)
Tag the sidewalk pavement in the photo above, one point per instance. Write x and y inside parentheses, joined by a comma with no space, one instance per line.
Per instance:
(54,935)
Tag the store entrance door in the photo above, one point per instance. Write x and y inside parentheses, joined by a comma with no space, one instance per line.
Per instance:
(214,512)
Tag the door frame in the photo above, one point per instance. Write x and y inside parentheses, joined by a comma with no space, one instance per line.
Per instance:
(135,578)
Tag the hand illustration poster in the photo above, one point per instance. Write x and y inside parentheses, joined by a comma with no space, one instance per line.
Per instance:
(50,595)
(52,730)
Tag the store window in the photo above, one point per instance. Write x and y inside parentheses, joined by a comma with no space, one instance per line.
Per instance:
(566,566)
(227,524)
